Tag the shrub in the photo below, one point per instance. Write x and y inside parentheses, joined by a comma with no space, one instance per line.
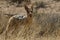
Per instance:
(18,1)
(40,5)
(56,0)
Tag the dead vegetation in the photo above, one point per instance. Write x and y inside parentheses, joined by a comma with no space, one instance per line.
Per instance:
(35,25)
(18,2)
(40,5)
(56,0)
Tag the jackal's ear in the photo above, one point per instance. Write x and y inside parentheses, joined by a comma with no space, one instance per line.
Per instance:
(28,10)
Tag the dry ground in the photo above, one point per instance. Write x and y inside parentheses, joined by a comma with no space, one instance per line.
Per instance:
(52,7)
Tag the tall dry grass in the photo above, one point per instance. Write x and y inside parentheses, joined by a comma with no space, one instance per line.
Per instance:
(44,26)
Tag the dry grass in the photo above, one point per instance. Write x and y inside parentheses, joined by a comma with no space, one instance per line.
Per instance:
(45,24)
